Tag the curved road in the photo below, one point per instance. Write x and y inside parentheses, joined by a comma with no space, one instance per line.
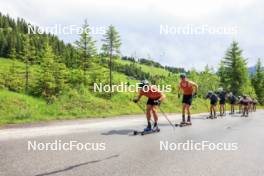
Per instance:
(126,154)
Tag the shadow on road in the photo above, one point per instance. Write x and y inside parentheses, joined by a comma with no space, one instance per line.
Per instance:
(118,132)
(77,165)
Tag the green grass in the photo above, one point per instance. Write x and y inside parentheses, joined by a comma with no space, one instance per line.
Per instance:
(19,108)
(73,104)
(15,108)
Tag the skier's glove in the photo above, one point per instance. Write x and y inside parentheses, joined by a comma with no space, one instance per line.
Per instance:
(157,102)
(135,100)
(194,95)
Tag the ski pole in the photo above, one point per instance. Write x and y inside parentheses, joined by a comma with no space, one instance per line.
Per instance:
(167,118)
(143,111)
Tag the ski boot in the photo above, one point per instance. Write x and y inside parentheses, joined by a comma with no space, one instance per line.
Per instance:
(147,129)
(188,123)
(209,117)
(155,128)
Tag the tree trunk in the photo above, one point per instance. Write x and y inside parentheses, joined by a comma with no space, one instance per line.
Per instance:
(110,72)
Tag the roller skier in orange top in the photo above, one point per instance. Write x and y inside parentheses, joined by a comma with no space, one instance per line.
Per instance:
(189,89)
(155,97)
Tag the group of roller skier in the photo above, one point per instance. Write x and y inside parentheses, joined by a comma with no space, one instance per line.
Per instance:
(245,103)
(189,90)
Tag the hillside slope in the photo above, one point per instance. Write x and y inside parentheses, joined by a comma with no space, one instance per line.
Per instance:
(73,103)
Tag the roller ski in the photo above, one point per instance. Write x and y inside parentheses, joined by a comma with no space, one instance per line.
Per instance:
(147,131)
(183,124)
(211,117)
(244,115)
(223,114)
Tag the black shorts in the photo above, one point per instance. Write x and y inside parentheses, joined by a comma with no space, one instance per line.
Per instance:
(187,99)
(245,103)
(222,102)
(213,102)
(151,102)
(232,102)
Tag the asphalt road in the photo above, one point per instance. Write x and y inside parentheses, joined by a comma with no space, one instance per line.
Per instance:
(126,154)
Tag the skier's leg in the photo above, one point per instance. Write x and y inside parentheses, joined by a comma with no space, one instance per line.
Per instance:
(189,104)
(148,115)
(214,108)
(247,110)
(183,112)
(189,115)
(211,111)
(188,112)
(243,110)
(223,109)
(155,114)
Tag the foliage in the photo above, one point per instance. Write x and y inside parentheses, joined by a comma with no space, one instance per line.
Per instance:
(51,80)
(86,46)
(258,82)
(207,80)
(12,35)
(111,46)
(233,72)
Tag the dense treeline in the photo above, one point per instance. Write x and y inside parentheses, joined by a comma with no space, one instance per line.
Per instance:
(13,32)
(175,69)
(154,64)
(133,71)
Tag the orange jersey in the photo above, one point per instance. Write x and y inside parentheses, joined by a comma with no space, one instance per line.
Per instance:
(186,87)
(152,93)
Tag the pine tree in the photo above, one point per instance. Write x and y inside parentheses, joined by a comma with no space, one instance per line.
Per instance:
(233,71)
(52,76)
(258,82)
(46,81)
(25,54)
(13,54)
(222,75)
(86,45)
(12,79)
(60,74)
(110,48)
(3,45)
(28,56)
(2,39)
